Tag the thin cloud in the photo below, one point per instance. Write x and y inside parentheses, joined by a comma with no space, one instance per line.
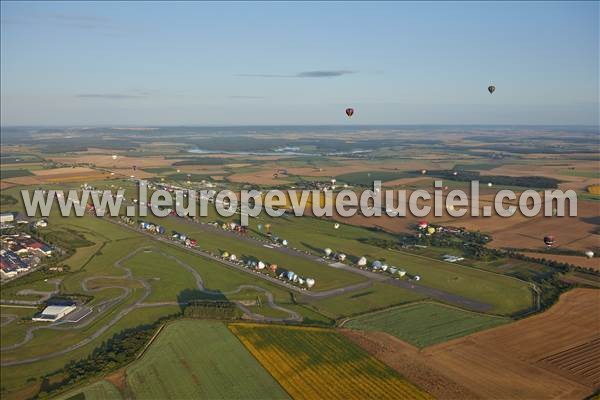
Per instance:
(112,96)
(246,97)
(304,74)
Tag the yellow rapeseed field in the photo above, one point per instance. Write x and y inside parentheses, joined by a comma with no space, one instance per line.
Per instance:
(316,363)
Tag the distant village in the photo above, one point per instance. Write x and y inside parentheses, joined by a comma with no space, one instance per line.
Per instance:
(21,252)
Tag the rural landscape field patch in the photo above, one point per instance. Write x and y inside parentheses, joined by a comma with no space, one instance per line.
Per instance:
(200,359)
(424,324)
(315,363)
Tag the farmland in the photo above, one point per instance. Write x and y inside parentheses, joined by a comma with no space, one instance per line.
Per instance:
(130,278)
(175,366)
(544,356)
(318,363)
(425,324)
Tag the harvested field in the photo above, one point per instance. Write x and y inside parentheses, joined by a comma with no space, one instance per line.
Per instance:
(320,363)
(405,359)
(60,175)
(106,161)
(528,359)
(581,261)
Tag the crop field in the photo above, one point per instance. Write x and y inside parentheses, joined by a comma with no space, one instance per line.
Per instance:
(425,324)
(176,366)
(548,355)
(314,363)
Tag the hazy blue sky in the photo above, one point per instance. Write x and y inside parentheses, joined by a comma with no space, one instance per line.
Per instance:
(298,63)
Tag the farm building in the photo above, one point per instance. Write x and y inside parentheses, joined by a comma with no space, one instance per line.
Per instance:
(7,219)
(54,313)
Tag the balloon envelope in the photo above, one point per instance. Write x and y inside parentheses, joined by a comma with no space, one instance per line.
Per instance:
(349,112)
(491,89)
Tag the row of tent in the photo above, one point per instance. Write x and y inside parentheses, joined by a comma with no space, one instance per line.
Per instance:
(279,272)
(375,265)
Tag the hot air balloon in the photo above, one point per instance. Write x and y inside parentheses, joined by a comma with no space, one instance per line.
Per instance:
(328,251)
(114,156)
(455,173)
(362,262)
(491,89)
(259,226)
(423,171)
(261,265)
(349,112)
(490,184)
(431,230)
(341,257)
(589,254)
(336,226)
(549,240)
(268,228)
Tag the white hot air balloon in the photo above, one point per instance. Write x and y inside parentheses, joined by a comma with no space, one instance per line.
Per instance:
(310,282)
(402,272)
(114,156)
(336,226)
(328,251)
(261,265)
(589,254)
(362,262)
(232,257)
(490,184)
(342,257)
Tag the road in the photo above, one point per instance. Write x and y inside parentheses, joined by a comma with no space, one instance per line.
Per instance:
(106,305)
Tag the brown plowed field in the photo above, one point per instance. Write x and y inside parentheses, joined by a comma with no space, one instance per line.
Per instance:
(551,355)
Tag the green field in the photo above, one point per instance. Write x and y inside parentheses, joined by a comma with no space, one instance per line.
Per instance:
(425,324)
(582,174)
(200,359)
(158,170)
(379,295)
(14,173)
(101,390)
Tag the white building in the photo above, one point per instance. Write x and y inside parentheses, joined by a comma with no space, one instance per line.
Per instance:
(54,313)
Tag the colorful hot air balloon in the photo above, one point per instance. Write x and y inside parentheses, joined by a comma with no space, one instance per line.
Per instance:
(491,89)
(549,240)
(349,112)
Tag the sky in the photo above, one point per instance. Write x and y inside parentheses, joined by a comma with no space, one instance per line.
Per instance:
(199,63)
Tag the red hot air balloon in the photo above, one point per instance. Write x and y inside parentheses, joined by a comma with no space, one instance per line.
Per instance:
(349,112)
